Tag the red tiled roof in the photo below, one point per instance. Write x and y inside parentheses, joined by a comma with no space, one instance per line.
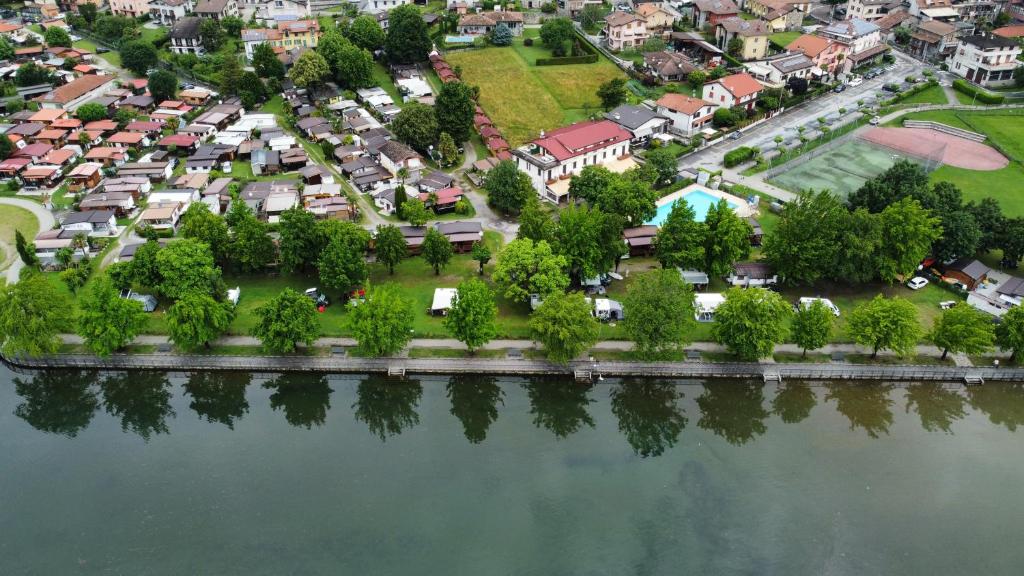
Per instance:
(1010,31)
(103,125)
(682,103)
(76,88)
(127,138)
(178,140)
(809,44)
(577,139)
(740,85)
(140,126)
(37,149)
(50,134)
(444,196)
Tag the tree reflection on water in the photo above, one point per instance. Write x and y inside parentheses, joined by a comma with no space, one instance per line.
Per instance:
(219,396)
(304,398)
(58,401)
(142,400)
(733,410)
(559,405)
(793,402)
(475,403)
(866,406)
(937,407)
(387,407)
(648,414)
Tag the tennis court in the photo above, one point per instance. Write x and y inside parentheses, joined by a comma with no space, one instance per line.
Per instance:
(842,169)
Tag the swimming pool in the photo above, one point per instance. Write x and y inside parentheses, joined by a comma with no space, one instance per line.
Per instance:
(699,200)
(458,39)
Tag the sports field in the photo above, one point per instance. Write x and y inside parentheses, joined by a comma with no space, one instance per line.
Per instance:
(842,169)
(522,98)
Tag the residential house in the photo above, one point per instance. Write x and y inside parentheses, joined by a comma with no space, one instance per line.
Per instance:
(186,39)
(140,104)
(92,222)
(122,203)
(641,122)
(734,90)
(658,17)
(129,140)
(752,274)
(827,55)
(443,200)
(106,155)
(890,22)
(394,156)
(48,116)
(623,30)
(35,152)
(752,36)
(60,158)
(779,69)
(461,235)
(640,240)
(275,10)
(160,217)
(862,39)
(155,171)
(986,59)
(869,10)
(195,96)
(289,34)
(1015,31)
(216,9)
(55,138)
(77,91)
(551,160)
(967,272)
(711,12)
(167,12)
(131,8)
(933,40)
(377,7)
(137,186)
(40,176)
(435,181)
(780,14)
(669,66)
(333,207)
(485,22)
(277,202)
(686,113)
(183,143)
(49,242)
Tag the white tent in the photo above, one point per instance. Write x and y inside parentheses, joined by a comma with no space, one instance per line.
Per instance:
(443,298)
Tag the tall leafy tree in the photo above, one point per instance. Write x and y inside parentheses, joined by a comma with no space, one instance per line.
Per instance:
(6,50)
(31,74)
(902,179)
(812,326)
(143,268)
(286,320)
(107,322)
(186,267)
(472,315)
(860,245)
(414,211)
(525,268)
(299,242)
(90,112)
(727,240)
(501,35)
(366,33)
(342,263)
(26,250)
(1011,239)
(416,125)
(57,36)
(885,324)
(200,224)
(212,34)
(437,250)
(138,56)
(990,219)
(612,93)
(961,235)
(252,248)
(908,231)
(1010,332)
(630,196)
(455,110)
(481,253)
(407,41)
(556,33)
(590,241)
(804,245)
(162,85)
(32,315)
(659,312)
(391,247)
(266,62)
(383,324)
(591,183)
(751,322)
(963,329)
(535,222)
(680,239)
(507,187)
(197,319)
(310,70)
(355,68)
(664,163)
(447,149)
(565,326)
(230,74)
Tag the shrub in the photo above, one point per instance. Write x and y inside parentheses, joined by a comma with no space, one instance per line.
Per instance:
(738,156)
(981,95)
(528,42)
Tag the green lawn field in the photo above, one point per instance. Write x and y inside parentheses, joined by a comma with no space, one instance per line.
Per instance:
(930,95)
(521,98)
(13,218)
(783,39)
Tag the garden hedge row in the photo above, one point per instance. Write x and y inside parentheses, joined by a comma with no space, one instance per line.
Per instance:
(738,156)
(588,59)
(983,96)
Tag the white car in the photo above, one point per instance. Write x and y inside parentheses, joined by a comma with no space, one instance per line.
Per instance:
(856,81)
(806,303)
(916,283)
(947,304)
(874,121)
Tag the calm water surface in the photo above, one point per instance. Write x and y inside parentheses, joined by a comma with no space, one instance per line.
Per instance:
(153,474)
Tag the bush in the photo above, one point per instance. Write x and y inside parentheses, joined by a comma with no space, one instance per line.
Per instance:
(561,61)
(738,156)
(527,41)
(980,94)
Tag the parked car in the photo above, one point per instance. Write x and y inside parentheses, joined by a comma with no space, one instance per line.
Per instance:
(806,303)
(840,88)
(102,50)
(856,81)
(917,282)
(891,87)
(947,304)
(874,121)
(319,298)
(735,135)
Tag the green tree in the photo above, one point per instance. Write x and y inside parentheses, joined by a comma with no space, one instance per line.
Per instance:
(804,245)
(26,250)
(659,313)
(1011,239)
(232,26)
(407,41)
(197,319)
(525,268)
(612,93)
(680,239)
(383,324)
(735,47)
(1010,332)
(629,196)
(908,231)
(535,222)
(556,33)
(591,183)
(107,322)
(696,79)
(590,240)
(455,109)
(138,56)
(57,36)
(309,70)
(962,329)
(902,179)
(414,212)
(507,187)
(143,267)
(470,319)
(32,315)
(6,50)
(163,85)
(266,62)
(564,325)
(6,149)
(812,326)
(366,33)
(298,241)
(212,34)
(481,253)
(186,267)
(961,235)
(664,162)
(355,68)
(330,46)
(342,262)
(286,320)
(391,247)
(447,149)
(501,35)
(751,322)
(860,244)
(437,250)
(200,224)
(251,247)
(885,324)
(727,240)
(32,74)
(91,112)
(416,125)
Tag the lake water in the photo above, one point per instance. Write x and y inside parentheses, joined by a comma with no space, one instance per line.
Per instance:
(153,474)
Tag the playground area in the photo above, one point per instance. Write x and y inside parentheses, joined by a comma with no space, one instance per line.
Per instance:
(845,167)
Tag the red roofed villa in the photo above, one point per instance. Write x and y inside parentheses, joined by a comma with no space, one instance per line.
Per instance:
(554,158)
(183,142)
(733,90)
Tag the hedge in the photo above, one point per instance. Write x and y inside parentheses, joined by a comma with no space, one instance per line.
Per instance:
(983,96)
(588,59)
(738,156)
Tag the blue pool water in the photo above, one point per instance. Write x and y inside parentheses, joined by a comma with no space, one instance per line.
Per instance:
(699,200)
(458,39)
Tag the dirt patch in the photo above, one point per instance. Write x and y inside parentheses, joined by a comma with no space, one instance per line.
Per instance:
(938,147)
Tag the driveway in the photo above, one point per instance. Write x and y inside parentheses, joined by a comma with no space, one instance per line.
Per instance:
(46,222)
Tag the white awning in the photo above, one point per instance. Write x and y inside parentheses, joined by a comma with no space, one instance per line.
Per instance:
(442,299)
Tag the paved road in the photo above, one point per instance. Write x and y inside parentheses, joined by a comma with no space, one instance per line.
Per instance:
(46,222)
(488,218)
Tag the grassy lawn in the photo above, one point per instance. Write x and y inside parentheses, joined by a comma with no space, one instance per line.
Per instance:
(13,218)
(84,44)
(274,106)
(1004,185)
(783,39)
(930,95)
(544,97)
(383,79)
